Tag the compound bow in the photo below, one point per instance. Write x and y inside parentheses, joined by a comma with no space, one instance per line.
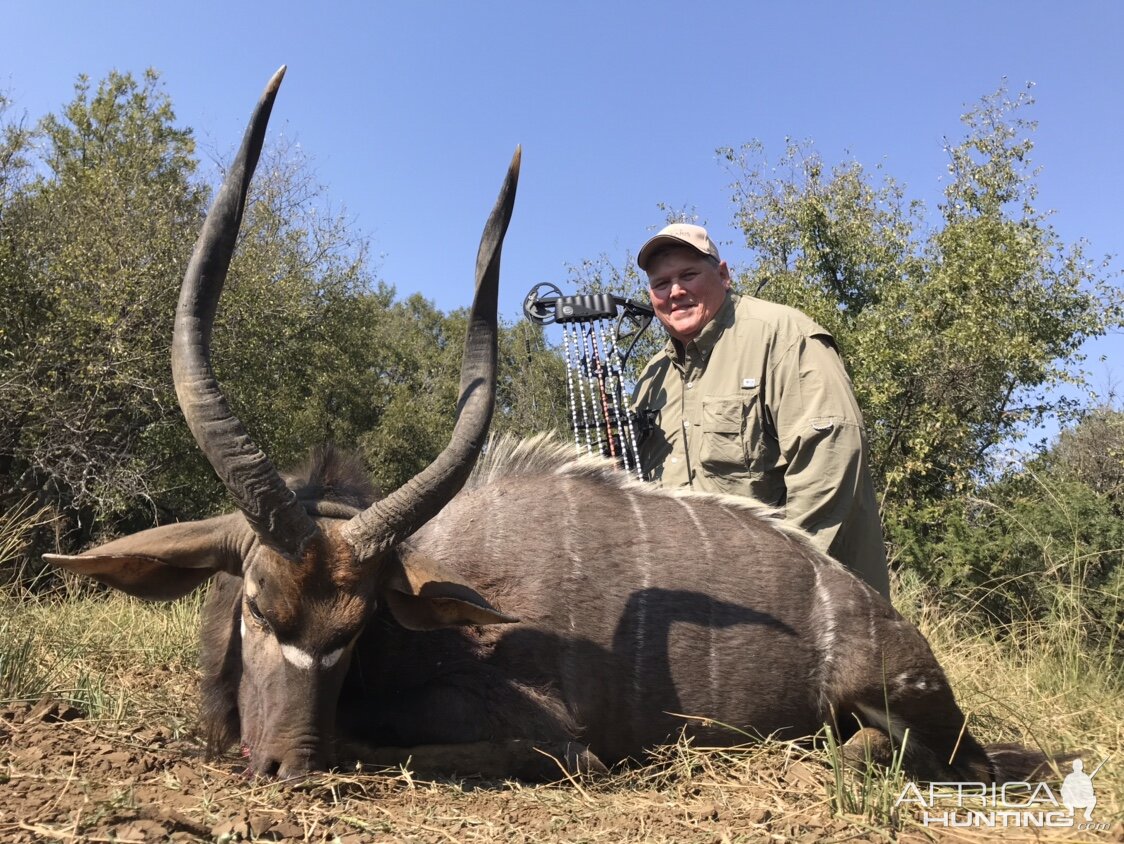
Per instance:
(592,346)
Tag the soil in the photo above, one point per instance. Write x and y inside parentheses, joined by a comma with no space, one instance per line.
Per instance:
(65,777)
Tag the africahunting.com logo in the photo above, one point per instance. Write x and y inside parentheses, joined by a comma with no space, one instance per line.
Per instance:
(1009,804)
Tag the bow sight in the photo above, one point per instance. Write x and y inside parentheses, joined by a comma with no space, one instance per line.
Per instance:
(591,345)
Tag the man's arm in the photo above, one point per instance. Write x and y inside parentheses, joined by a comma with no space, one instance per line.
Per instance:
(819,427)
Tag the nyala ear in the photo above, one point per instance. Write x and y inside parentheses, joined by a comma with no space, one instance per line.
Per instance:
(167,562)
(423,595)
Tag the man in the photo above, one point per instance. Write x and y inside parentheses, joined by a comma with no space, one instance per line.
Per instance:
(750,398)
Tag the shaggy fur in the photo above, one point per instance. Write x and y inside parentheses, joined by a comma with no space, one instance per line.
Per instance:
(332,477)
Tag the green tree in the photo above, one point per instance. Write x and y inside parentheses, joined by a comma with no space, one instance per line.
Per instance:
(957,328)
(1092,452)
(956,332)
(290,340)
(1040,543)
(418,382)
(17,306)
(14,149)
(97,221)
(531,394)
(90,246)
(94,250)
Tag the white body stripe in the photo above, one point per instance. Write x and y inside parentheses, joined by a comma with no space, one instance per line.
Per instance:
(712,654)
(645,552)
(825,635)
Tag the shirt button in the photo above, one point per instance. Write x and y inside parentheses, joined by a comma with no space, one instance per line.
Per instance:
(690,384)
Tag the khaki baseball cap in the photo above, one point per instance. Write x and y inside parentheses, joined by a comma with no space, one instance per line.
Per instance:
(678,234)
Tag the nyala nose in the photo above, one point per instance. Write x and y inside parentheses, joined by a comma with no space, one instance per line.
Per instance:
(300,763)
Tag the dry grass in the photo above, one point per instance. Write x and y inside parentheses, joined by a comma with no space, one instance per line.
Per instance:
(111,656)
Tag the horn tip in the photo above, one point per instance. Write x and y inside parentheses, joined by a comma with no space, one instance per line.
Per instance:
(275,80)
(517,158)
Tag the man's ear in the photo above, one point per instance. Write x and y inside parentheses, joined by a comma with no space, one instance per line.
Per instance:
(166,562)
(423,595)
(724,273)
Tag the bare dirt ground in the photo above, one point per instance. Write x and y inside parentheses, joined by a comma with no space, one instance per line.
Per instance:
(64,777)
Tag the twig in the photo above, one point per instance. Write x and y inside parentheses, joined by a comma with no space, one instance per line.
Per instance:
(567,775)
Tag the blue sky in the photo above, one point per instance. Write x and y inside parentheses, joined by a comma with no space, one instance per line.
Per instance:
(410,111)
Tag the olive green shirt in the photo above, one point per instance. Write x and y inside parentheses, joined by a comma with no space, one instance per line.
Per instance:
(759,405)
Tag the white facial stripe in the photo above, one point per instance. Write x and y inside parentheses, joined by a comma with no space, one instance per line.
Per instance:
(242,627)
(304,660)
(250,587)
(297,657)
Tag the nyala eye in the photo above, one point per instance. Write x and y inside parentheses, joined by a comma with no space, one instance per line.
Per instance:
(256,613)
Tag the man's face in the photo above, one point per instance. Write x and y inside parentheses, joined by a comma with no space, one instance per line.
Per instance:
(687,291)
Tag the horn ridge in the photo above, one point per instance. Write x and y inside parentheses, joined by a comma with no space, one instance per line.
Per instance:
(270,507)
(395,517)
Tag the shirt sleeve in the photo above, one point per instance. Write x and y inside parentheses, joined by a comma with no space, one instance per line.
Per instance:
(820,432)
(659,428)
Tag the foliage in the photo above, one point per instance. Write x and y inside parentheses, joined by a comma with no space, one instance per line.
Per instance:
(957,333)
(99,239)
(90,240)
(290,346)
(18,524)
(14,141)
(1093,453)
(1045,543)
(531,395)
(417,387)
(99,208)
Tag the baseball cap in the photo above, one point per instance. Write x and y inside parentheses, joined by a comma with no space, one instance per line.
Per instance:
(678,234)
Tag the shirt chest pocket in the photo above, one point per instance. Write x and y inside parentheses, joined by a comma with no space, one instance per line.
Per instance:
(724,426)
